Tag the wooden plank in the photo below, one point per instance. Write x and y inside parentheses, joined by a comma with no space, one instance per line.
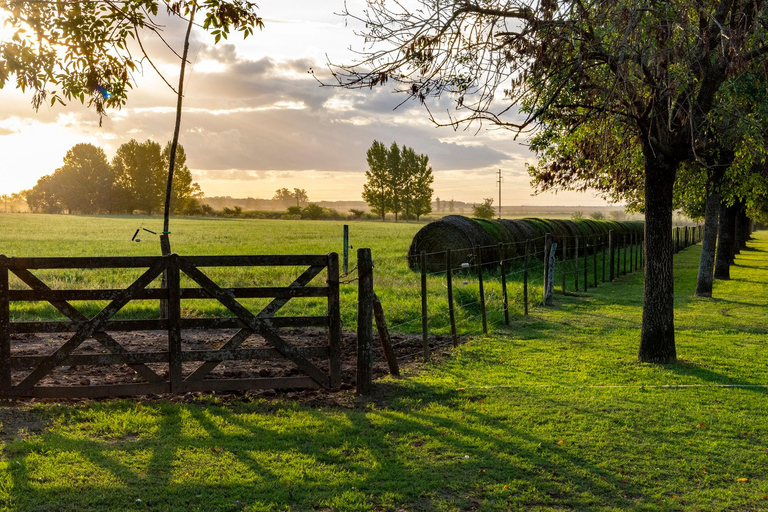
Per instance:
(97,391)
(27,362)
(386,342)
(262,354)
(334,317)
(159,293)
(162,325)
(76,316)
(252,322)
(232,344)
(87,329)
(5,335)
(113,326)
(247,354)
(242,384)
(275,322)
(82,262)
(289,260)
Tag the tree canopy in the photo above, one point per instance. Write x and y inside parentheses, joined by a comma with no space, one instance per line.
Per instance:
(89,51)
(399,180)
(88,183)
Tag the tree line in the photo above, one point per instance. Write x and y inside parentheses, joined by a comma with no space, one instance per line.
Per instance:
(134,181)
(399,181)
(656,104)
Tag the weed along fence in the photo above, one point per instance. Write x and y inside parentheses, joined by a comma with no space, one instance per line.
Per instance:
(518,271)
(169,362)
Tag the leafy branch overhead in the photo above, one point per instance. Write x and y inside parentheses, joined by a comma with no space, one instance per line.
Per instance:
(90,51)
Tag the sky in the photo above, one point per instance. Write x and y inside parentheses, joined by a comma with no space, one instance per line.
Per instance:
(255,120)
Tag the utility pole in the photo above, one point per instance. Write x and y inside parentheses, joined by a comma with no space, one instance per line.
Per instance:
(499,182)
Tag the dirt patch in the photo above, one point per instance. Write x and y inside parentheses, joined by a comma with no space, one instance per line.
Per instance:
(407,348)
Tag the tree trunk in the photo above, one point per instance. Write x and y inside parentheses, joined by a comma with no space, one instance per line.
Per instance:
(742,227)
(709,243)
(657,337)
(725,241)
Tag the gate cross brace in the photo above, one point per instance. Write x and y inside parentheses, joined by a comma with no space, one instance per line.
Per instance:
(261,327)
(274,306)
(77,317)
(87,329)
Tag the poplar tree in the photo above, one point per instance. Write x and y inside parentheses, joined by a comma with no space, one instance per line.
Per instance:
(376,188)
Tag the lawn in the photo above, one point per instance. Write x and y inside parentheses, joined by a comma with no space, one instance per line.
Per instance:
(551,413)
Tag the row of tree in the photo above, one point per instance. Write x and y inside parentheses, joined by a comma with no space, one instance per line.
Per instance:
(133,181)
(399,181)
(643,101)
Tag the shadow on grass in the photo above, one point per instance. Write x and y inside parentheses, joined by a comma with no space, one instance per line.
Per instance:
(690,369)
(213,457)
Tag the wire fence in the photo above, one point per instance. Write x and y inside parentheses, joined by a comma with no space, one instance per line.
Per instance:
(472,297)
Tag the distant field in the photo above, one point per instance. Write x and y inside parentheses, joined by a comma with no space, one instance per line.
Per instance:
(397,286)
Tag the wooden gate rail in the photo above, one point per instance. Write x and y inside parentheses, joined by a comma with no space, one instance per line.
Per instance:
(262,323)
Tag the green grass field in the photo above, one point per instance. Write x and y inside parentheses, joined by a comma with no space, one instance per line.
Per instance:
(552,413)
(397,286)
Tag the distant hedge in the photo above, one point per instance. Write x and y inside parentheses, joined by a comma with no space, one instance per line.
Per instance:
(462,235)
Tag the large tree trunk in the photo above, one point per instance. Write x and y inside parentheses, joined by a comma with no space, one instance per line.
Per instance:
(657,337)
(708,244)
(725,241)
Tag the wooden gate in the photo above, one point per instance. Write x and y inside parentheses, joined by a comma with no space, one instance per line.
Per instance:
(174,368)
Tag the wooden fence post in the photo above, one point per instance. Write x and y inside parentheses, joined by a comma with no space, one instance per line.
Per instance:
(424,315)
(576,264)
(364,321)
(479,260)
(334,326)
(612,254)
(549,287)
(594,259)
(5,335)
(504,284)
(626,245)
(564,261)
(174,321)
(586,263)
(602,244)
(525,279)
(545,260)
(449,283)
